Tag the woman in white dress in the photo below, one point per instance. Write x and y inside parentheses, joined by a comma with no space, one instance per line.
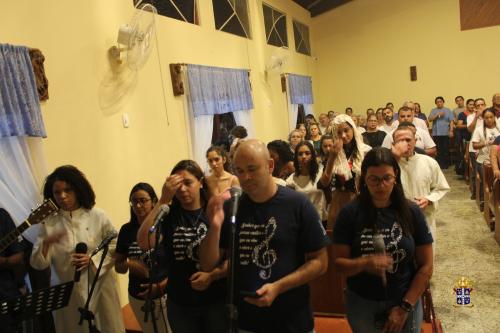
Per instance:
(78,221)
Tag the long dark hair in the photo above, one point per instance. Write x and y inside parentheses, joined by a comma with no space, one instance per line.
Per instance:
(484,124)
(193,168)
(146,188)
(284,153)
(321,152)
(222,153)
(85,195)
(313,164)
(383,157)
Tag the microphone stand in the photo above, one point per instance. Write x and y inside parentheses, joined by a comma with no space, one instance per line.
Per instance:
(149,304)
(85,313)
(232,310)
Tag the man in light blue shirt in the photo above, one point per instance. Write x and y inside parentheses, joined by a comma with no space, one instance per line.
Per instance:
(442,130)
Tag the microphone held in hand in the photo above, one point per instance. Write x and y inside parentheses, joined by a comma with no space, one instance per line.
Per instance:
(379,246)
(80,248)
(105,242)
(235,200)
(164,210)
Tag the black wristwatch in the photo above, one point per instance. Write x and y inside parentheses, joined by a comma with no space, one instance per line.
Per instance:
(405,305)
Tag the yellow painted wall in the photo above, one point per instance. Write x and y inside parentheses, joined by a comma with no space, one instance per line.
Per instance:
(365,49)
(74,36)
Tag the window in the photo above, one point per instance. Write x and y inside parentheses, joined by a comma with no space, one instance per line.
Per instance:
(183,10)
(275,24)
(232,16)
(223,124)
(301,35)
(301,115)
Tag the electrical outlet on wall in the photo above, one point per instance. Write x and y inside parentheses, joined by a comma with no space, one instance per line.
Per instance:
(125,120)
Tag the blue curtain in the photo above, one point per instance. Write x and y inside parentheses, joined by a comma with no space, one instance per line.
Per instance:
(300,89)
(216,90)
(20,113)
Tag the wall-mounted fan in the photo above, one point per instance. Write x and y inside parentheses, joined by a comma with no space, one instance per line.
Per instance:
(275,65)
(136,41)
(136,38)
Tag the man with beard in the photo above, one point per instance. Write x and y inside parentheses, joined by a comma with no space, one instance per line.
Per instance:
(390,124)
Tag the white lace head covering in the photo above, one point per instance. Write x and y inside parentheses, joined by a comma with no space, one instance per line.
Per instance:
(341,165)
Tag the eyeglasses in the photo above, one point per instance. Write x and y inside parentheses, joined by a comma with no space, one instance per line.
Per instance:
(141,201)
(375,181)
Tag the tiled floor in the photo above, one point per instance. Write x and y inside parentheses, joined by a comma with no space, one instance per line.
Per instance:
(465,247)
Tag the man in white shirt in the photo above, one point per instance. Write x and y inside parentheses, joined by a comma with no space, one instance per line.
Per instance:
(324,121)
(422,179)
(390,124)
(475,120)
(419,123)
(423,138)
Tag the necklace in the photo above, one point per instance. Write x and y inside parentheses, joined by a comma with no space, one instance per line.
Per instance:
(184,211)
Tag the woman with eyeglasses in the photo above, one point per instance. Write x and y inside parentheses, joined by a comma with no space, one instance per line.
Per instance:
(381,242)
(195,302)
(130,258)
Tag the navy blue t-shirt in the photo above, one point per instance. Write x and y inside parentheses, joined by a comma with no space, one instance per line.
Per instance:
(183,232)
(348,230)
(273,238)
(127,246)
(8,283)
(464,133)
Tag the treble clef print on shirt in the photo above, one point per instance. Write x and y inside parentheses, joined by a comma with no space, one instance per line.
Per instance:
(192,248)
(262,256)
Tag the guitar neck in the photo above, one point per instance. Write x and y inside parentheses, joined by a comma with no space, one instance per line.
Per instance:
(12,236)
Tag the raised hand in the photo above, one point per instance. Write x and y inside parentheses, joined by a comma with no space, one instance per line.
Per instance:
(400,148)
(215,208)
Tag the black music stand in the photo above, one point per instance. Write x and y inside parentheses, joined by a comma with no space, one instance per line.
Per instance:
(38,302)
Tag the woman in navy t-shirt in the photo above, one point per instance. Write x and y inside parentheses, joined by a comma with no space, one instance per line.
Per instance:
(384,247)
(195,299)
(130,258)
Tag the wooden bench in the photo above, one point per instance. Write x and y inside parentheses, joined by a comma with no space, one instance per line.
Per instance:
(489,204)
(467,164)
(130,321)
(496,203)
(478,189)
(340,325)
(327,291)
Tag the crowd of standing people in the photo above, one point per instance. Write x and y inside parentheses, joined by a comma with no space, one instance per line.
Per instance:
(374,181)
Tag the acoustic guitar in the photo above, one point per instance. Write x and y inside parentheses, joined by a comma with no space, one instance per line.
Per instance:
(47,208)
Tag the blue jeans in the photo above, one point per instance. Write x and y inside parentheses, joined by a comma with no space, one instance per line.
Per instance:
(366,316)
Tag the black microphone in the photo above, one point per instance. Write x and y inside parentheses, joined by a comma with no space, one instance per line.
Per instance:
(105,242)
(379,247)
(164,210)
(235,200)
(80,248)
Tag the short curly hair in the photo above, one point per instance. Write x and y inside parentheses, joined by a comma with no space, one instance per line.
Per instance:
(85,195)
